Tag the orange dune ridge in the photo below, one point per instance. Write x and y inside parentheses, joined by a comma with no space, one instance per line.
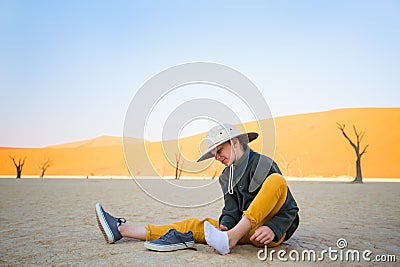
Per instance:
(306,145)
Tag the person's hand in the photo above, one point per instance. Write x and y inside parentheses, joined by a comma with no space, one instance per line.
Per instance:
(223,228)
(263,234)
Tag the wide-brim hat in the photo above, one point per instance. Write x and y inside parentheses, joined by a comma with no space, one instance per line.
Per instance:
(222,133)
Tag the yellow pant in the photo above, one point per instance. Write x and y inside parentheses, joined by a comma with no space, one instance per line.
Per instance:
(265,205)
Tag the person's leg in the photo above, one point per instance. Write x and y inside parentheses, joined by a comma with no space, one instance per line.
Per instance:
(153,232)
(114,229)
(236,233)
(265,205)
(137,232)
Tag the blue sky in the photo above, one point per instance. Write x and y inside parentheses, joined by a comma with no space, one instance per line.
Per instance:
(69,69)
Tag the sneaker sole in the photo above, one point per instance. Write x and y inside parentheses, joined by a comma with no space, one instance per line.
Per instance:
(174,247)
(103,225)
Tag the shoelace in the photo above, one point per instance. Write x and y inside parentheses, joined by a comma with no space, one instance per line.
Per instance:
(187,247)
(191,248)
(120,221)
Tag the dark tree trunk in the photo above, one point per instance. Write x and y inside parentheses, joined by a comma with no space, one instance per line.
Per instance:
(19,171)
(358,178)
(176,170)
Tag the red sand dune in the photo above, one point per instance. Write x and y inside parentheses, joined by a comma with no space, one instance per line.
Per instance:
(306,145)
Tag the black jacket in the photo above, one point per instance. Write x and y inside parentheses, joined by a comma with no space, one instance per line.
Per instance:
(287,218)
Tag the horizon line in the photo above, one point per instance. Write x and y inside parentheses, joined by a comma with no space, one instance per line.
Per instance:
(188,136)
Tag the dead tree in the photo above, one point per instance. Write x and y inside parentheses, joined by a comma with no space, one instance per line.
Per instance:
(18,165)
(356,146)
(44,166)
(163,169)
(178,166)
(214,175)
(286,164)
(299,167)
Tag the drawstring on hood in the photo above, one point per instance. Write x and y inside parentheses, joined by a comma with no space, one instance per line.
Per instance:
(233,173)
(230,181)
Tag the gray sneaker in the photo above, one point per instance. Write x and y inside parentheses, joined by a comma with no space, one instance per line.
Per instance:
(108,224)
(172,240)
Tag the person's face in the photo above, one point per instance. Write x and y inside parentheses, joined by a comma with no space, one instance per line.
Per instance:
(223,153)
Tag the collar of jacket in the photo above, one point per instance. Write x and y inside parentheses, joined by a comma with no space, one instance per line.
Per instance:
(260,169)
(239,167)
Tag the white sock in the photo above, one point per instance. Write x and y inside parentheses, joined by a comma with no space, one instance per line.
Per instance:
(216,238)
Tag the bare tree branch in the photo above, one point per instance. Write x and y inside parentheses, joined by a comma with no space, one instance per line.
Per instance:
(13,159)
(359,137)
(364,150)
(341,127)
(23,162)
(179,164)
(47,163)
(215,174)
(286,164)
(355,130)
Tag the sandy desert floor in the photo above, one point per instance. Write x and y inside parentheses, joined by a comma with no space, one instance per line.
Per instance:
(52,222)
